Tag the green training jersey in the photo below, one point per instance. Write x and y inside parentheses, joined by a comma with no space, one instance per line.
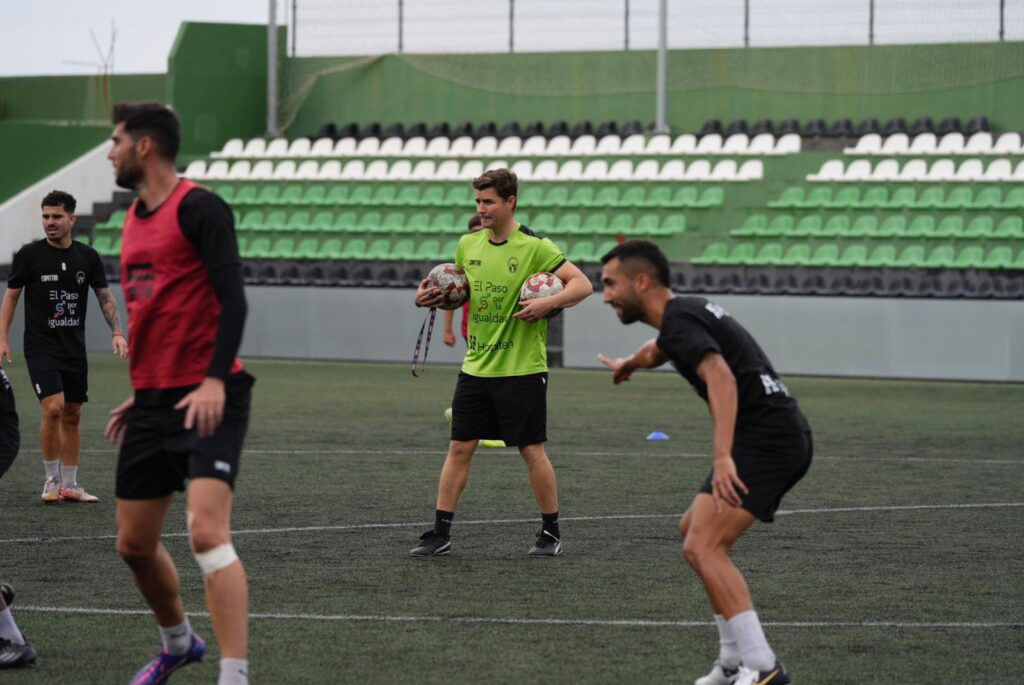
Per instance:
(500,345)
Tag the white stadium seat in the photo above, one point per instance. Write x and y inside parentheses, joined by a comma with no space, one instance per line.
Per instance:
(486,147)
(471,170)
(261,171)
(401,170)
(367,147)
(391,147)
(299,148)
(461,147)
(896,144)
(998,170)
(1007,144)
(255,148)
(608,145)
(868,144)
(596,170)
(859,170)
(751,170)
(647,170)
(725,170)
(423,171)
(232,148)
(377,170)
(278,147)
(711,144)
(951,144)
(284,171)
(523,169)
(308,170)
(496,164)
(941,170)
(448,170)
(923,144)
(832,170)
(698,170)
(584,145)
(558,146)
(736,144)
(217,171)
(685,144)
(621,170)
(571,170)
(510,147)
(437,147)
(322,147)
(979,144)
(761,144)
(534,146)
(970,170)
(353,170)
(345,147)
(672,171)
(660,144)
(914,171)
(196,169)
(1018,173)
(788,144)
(329,171)
(546,170)
(633,145)
(885,171)
(415,147)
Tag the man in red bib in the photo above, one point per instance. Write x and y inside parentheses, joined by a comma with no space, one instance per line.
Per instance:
(182,280)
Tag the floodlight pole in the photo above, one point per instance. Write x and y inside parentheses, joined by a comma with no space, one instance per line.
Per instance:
(871,22)
(272,70)
(511,25)
(1002,20)
(661,120)
(626,23)
(401,22)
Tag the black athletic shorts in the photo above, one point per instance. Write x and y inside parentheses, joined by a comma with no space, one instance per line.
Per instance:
(509,408)
(52,375)
(158,455)
(769,469)
(10,436)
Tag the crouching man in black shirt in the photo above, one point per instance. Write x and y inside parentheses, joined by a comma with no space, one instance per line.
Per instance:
(762,443)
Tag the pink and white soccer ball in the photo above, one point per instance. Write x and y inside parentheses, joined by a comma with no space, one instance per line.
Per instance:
(542,284)
(452,282)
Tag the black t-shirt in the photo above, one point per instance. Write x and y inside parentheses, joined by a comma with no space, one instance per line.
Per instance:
(56,283)
(692,327)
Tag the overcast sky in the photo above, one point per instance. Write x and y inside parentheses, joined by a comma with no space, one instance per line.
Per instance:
(53,36)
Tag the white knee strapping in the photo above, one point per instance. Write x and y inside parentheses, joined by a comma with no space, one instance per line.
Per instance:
(217,558)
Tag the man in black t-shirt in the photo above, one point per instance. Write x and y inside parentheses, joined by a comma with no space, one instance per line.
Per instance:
(56,274)
(762,443)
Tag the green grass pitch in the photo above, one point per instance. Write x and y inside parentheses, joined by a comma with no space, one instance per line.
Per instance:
(896,560)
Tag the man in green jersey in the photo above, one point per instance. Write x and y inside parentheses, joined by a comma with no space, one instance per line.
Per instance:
(502,387)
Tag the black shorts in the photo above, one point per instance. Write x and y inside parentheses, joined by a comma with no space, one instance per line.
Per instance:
(158,454)
(509,408)
(769,469)
(52,375)
(10,436)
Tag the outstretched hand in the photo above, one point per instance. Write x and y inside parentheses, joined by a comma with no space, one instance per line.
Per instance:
(621,369)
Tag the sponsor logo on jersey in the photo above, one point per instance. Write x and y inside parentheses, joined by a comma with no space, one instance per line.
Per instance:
(513,265)
(80,277)
(49,278)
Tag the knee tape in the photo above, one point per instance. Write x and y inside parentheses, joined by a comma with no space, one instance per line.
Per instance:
(217,558)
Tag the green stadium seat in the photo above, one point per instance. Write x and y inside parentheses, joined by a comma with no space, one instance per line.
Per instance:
(427,250)
(595,223)
(447,251)
(298,221)
(604,248)
(84,239)
(740,254)
(384,196)
(893,226)
(225,192)
(770,254)
(647,225)
(418,223)
(582,252)
(979,227)
(445,223)
(268,195)
(462,196)
(863,226)
(712,197)
(662,197)
(836,226)
(557,196)
(243,242)
(115,222)
(633,197)
(715,253)
(881,256)
(753,225)
(674,224)
(998,258)
(246,195)
(432,197)
(360,196)
(276,220)
(912,256)
(252,221)
(791,197)
(901,199)
(1018,263)
(969,257)
(103,244)
(797,255)
(779,226)
(847,198)
(568,223)
(920,227)
(621,224)
(329,249)
(807,227)
(306,249)
(315,196)
(685,196)
(853,255)
(523,218)
(941,257)
(354,249)
(929,198)
(532,197)
(988,198)
(404,250)
(337,195)
(949,227)
(874,198)
(817,198)
(606,197)
(321,223)
(345,222)
(959,198)
(393,222)
(582,196)
(259,248)
(1014,199)
(825,255)
(284,248)
(1010,228)
(370,222)
(543,222)
(409,196)
(291,195)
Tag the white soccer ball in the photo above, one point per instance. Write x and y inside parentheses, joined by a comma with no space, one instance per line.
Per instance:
(542,284)
(452,282)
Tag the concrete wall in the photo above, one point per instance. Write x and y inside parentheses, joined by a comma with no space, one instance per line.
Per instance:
(886,338)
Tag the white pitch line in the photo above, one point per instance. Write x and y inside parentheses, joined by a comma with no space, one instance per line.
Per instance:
(482,522)
(609,622)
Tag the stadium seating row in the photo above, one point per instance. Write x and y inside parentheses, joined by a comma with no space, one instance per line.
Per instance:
(860,255)
(878,197)
(513,146)
(894,226)
(533,197)
(980,143)
(428,171)
(918,170)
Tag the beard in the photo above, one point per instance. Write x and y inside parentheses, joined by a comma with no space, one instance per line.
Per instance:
(129,178)
(630,312)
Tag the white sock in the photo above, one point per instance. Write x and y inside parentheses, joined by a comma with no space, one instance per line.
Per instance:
(177,639)
(234,672)
(9,629)
(52,468)
(728,650)
(68,475)
(754,649)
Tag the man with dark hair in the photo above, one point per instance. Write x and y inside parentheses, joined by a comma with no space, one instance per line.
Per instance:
(182,279)
(56,274)
(502,388)
(761,442)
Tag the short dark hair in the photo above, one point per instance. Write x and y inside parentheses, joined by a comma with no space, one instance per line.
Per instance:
(58,198)
(503,181)
(153,119)
(641,255)
(474,221)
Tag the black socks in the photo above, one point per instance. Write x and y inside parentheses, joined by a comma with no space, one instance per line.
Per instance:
(443,522)
(551,524)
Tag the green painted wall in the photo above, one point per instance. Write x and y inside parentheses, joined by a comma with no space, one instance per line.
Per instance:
(829,82)
(31,151)
(73,98)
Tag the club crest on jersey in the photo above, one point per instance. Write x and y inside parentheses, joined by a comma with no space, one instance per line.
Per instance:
(513,265)
(80,277)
